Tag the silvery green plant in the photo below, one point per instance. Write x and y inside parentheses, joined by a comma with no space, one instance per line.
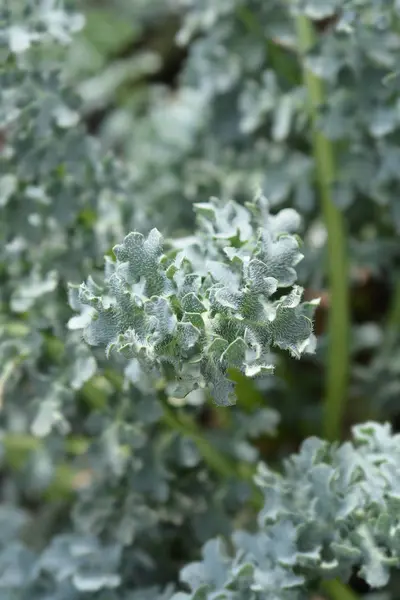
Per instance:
(192,314)
(334,509)
(110,482)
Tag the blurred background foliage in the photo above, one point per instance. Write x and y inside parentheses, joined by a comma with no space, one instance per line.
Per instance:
(205,98)
(227,113)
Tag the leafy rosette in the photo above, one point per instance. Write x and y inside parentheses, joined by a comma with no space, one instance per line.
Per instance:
(206,305)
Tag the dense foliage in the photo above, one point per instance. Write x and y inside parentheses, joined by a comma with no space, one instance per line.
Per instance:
(162,423)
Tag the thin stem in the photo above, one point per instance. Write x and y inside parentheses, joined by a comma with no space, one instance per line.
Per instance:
(393,321)
(186,426)
(219,463)
(339,317)
(337,590)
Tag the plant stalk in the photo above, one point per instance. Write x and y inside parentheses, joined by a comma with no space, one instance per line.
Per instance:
(339,313)
(217,462)
(393,321)
(337,590)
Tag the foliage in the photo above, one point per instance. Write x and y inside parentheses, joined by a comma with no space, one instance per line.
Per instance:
(331,511)
(199,311)
(139,449)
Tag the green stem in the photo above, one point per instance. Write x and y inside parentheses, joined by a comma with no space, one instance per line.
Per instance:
(393,321)
(219,463)
(339,317)
(186,426)
(338,590)
(395,308)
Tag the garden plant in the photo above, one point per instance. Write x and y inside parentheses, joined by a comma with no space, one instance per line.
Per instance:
(199,300)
